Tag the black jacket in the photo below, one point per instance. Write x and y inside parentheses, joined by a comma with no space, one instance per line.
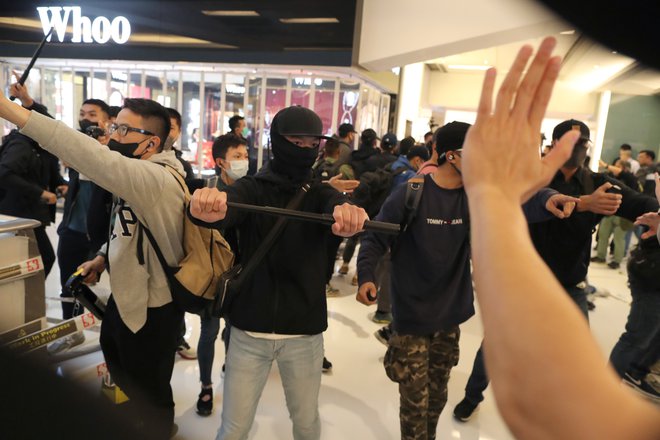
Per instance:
(286,293)
(565,245)
(359,159)
(26,170)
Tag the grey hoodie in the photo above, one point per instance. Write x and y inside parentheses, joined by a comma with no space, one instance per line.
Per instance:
(151,195)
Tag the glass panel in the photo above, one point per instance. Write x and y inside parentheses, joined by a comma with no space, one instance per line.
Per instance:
(67,104)
(349,95)
(384,112)
(300,86)
(212,118)
(252,116)
(82,92)
(190,116)
(172,88)
(100,89)
(154,87)
(234,92)
(275,101)
(135,85)
(51,95)
(324,97)
(118,87)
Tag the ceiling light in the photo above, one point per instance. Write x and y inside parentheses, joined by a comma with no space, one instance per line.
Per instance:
(231,13)
(467,67)
(571,32)
(310,20)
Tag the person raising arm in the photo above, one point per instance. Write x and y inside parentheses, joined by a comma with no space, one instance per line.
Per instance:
(532,341)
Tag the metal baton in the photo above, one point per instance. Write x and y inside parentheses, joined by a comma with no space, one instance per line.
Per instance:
(24,77)
(326,219)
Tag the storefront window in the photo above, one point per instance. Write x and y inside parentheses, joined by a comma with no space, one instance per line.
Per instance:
(349,96)
(252,115)
(51,96)
(275,101)
(300,86)
(324,97)
(384,113)
(171,89)
(119,87)
(234,93)
(66,92)
(190,114)
(154,86)
(100,85)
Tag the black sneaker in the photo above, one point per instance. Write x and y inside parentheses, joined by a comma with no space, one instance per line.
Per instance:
(465,410)
(642,387)
(205,407)
(597,260)
(613,265)
(327,365)
(383,334)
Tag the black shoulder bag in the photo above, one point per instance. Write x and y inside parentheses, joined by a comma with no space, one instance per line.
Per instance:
(232,280)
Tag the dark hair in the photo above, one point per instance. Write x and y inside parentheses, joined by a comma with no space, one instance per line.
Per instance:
(224,143)
(105,108)
(428,133)
(114,111)
(406,144)
(174,115)
(418,151)
(156,118)
(234,120)
(649,153)
(625,147)
(331,147)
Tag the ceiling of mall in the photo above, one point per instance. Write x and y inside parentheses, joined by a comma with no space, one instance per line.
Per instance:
(260,32)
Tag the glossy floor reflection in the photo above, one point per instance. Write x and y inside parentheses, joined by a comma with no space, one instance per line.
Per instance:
(357,400)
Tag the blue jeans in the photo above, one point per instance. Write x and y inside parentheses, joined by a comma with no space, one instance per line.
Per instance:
(642,327)
(206,346)
(247,366)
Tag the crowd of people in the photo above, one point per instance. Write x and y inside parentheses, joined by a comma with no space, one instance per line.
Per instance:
(464,199)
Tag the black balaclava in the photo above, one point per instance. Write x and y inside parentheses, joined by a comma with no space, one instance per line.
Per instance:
(289,159)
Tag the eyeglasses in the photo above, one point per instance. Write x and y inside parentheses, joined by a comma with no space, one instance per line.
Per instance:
(124,129)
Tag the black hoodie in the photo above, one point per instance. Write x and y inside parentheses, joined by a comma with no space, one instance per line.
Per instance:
(359,159)
(286,293)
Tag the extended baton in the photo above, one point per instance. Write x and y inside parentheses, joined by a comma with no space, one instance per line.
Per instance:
(326,219)
(24,77)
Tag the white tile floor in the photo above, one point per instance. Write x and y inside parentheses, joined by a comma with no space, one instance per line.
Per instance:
(357,400)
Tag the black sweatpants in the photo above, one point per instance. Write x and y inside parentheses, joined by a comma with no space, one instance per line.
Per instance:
(73,249)
(45,248)
(141,364)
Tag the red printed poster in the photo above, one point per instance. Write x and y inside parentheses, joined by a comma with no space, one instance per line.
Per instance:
(88,320)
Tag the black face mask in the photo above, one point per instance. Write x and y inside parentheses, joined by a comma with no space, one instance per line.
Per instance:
(577,157)
(290,159)
(85,124)
(126,150)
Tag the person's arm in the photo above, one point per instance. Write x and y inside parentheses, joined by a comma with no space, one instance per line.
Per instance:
(540,354)
(547,204)
(374,245)
(633,203)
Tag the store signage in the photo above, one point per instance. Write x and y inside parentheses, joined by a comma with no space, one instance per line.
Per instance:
(84,30)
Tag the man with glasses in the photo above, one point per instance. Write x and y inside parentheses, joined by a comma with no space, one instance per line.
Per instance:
(141,324)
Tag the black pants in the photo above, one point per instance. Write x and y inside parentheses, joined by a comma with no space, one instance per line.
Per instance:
(45,248)
(74,248)
(332,247)
(141,364)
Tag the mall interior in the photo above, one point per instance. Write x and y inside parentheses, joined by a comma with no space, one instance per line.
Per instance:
(405,69)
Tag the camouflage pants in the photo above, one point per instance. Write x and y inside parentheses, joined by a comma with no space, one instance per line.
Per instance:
(421,366)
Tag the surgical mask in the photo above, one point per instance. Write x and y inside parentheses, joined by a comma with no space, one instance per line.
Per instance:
(237,169)
(126,150)
(245,132)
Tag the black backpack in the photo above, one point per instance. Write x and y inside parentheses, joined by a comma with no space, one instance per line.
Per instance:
(375,186)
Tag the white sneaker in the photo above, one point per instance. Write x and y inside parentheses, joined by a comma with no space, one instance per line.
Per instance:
(66,343)
(187,352)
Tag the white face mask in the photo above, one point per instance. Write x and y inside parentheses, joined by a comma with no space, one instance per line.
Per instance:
(237,169)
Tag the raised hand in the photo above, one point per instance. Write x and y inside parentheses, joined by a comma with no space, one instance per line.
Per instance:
(501,148)
(349,220)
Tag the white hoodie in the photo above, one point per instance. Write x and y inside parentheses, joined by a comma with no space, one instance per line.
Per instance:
(150,193)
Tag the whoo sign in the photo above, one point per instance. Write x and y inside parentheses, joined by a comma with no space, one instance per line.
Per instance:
(100,30)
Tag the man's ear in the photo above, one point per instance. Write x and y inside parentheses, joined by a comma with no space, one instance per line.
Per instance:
(218,163)
(154,143)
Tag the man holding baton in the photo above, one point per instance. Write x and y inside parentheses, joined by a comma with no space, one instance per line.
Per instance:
(280,313)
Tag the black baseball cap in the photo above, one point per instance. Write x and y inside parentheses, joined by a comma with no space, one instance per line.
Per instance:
(368,136)
(389,141)
(450,136)
(299,121)
(571,124)
(345,129)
